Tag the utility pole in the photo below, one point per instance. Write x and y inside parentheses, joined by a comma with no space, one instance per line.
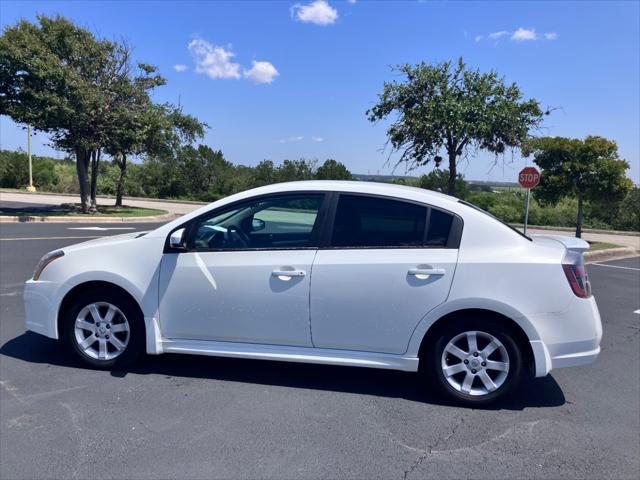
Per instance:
(30,187)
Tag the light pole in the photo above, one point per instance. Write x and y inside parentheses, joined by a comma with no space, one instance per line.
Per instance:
(30,187)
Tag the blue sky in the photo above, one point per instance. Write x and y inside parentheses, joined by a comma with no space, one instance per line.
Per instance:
(318,67)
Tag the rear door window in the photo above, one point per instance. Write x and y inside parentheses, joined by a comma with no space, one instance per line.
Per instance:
(439,228)
(363,221)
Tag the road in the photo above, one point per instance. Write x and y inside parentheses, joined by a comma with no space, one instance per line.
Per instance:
(202,417)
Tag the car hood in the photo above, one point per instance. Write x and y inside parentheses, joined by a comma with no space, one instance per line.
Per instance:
(104,240)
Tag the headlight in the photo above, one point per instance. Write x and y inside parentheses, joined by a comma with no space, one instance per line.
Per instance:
(46,260)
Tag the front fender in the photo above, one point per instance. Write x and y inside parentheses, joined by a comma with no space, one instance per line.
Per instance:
(146,298)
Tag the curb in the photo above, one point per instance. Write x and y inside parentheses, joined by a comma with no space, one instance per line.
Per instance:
(609,254)
(63,219)
(108,197)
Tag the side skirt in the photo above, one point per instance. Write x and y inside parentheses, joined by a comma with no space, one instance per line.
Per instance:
(291,354)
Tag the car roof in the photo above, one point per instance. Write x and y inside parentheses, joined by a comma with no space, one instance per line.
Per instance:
(402,192)
(352,186)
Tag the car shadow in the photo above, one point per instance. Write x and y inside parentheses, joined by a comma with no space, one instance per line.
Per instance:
(34,348)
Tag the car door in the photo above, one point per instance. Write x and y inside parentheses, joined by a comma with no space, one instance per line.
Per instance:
(245,274)
(387,263)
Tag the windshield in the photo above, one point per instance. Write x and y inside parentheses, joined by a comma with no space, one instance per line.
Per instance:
(495,218)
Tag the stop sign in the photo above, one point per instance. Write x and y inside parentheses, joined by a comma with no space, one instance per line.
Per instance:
(529,177)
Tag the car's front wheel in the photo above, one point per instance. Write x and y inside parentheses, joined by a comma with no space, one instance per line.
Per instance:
(104,329)
(475,361)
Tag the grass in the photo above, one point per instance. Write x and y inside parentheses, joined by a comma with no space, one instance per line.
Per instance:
(74,210)
(601,246)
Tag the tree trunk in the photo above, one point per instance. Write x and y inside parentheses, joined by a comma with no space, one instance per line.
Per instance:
(95,162)
(452,173)
(122,163)
(580,216)
(82,165)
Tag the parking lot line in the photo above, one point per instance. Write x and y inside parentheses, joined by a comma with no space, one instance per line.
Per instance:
(615,266)
(54,238)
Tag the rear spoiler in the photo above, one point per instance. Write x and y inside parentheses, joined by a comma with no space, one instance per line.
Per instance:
(573,244)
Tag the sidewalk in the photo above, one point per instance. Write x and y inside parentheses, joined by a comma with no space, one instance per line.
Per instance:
(174,208)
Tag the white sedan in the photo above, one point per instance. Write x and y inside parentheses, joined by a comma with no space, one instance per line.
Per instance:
(340,273)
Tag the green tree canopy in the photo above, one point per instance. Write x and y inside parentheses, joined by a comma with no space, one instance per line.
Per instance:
(448,109)
(142,127)
(438,180)
(84,92)
(588,169)
(333,170)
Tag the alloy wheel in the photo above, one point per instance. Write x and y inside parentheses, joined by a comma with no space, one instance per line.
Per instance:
(102,331)
(475,363)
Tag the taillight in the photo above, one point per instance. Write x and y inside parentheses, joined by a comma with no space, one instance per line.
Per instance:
(573,266)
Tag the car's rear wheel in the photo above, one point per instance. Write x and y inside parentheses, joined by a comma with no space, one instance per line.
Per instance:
(104,329)
(474,361)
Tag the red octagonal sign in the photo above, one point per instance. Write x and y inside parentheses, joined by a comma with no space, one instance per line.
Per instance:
(529,177)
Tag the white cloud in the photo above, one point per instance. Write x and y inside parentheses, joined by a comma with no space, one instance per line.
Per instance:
(317,139)
(498,35)
(520,35)
(261,72)
(524,35)
(351,1)
(318,12)
(212,60)
(291,139)
(180,67)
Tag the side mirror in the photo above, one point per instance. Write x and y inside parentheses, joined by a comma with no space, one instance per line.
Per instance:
(257,224)
(177,239)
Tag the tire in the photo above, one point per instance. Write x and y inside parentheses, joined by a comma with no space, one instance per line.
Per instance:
(497,350)
(120,328)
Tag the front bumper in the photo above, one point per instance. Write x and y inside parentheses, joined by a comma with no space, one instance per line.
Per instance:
(569,338)
(41,307)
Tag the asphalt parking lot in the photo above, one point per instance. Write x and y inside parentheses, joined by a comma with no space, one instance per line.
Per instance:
(202,417)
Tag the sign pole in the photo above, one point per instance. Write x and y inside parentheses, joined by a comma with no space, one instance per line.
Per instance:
(528,178)
(526,211)
(30,188)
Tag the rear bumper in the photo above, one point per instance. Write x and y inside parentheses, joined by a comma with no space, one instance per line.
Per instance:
(40,307)
(569,338)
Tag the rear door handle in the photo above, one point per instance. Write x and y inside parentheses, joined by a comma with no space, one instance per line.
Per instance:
(426,271)
(288,273)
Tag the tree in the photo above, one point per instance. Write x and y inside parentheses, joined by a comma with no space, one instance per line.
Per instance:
(293,170)
(628,217)
(588,169)
(264,174)
(447,108)
(438,180)
(142,127)
(62,80)
(333,170)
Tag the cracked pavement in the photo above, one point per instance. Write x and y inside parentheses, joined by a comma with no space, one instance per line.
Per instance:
(200,417)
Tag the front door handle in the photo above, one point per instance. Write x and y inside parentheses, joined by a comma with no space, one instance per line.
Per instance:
(288,273)
(426,271)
